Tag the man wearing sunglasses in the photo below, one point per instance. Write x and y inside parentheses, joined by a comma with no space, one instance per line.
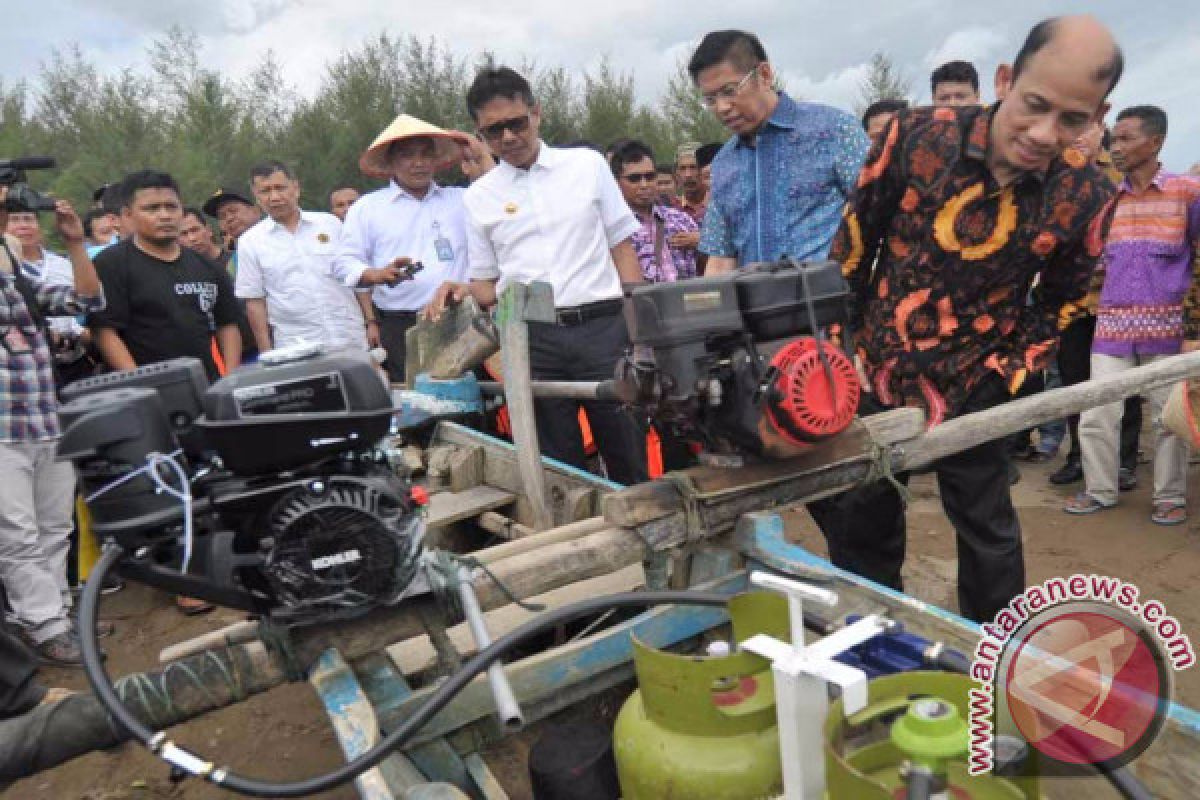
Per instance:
(554,215)
(662,242)
(779,185)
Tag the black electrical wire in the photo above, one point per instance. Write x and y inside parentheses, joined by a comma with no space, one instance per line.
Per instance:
(102,685)
(1121,778)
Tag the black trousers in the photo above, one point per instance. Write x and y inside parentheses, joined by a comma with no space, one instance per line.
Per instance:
(19,691)
(1075,366)
(392,327)
(586,352)
(865,527)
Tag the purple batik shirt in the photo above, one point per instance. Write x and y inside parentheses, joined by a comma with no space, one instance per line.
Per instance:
(673,263)
(1147,305)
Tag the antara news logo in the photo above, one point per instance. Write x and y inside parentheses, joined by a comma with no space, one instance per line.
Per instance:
(1078,668)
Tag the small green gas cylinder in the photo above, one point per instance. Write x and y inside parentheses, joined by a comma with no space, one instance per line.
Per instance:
(703,727)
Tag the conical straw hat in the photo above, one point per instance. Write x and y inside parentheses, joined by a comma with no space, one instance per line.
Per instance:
(447,145)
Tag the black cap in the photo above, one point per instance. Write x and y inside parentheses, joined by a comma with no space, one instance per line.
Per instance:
(220,197)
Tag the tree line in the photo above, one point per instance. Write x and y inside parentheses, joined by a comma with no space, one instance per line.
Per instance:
(207,128)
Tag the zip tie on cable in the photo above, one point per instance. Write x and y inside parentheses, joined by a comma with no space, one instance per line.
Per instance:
(184,495)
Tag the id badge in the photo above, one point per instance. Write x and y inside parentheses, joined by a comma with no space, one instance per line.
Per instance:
(16,343)
(445,250)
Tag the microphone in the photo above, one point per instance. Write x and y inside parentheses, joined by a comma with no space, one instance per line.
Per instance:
(28,162)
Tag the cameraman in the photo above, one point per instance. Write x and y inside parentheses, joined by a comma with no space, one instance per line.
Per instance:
(37,492)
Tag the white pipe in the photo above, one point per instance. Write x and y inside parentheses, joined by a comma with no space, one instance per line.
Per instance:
(507,709)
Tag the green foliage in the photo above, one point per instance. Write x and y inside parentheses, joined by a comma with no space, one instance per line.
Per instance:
(884,81)
(208,128)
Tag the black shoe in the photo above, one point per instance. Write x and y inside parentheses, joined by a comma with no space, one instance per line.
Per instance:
(1014,474)
(1126,480)
(1070,472)
(59,651)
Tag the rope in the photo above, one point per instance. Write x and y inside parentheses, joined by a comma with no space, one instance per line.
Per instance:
(278,640)
(690,496)
(881,469)
(444,580)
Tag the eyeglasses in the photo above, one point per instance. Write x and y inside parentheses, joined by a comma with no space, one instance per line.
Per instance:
(727,92)
(640,177)
(516,125)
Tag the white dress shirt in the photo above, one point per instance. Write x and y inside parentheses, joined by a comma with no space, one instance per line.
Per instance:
(389,223)
(293,271)
(556,222)
(54,270)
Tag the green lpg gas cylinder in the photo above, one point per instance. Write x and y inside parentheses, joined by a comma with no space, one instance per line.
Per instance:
(703,727)
(913,718)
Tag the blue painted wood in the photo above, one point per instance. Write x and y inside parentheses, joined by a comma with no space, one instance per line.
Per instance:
(541,676)
(437,759)
(558,466)
(353,719)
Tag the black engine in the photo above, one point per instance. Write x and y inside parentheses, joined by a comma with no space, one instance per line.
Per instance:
(294,511)
(745,362)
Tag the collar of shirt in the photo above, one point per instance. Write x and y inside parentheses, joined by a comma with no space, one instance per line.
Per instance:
(1161,176)
(784,117)
(979,142)
(395,192)
(547,158)
(273,226)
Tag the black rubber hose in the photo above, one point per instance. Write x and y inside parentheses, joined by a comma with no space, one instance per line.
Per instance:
(397,738)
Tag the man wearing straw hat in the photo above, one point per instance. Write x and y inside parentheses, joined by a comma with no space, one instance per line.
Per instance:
(413,220)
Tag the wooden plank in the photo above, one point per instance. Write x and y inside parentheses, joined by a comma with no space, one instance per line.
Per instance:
(543,675)
(418,654)
(434,760)
(353,719)
(448,507)
(484,779)
(511,317)
(969,430)
(563,533)
(638,505)
(502,526)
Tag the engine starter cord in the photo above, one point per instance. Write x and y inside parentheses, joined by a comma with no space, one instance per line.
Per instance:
(156,741)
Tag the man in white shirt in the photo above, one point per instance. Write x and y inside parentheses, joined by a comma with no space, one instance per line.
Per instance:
(285,271)
(554,215)
(411,220)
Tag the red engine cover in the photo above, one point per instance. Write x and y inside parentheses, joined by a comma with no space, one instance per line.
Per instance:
(801,404)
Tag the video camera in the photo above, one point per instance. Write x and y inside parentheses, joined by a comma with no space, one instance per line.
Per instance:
(22,197)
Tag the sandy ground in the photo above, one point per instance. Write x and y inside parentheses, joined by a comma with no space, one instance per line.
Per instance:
(283,734)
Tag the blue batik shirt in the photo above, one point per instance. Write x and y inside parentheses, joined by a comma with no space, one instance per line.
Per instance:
(782,194)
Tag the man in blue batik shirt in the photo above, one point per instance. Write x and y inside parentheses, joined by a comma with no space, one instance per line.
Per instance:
(779,185)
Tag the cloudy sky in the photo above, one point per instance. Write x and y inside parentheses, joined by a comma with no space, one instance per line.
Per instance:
(820,46)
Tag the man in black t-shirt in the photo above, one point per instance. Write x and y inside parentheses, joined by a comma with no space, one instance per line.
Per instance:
(164,300)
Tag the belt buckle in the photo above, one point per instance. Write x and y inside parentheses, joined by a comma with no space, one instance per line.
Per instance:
(565,316)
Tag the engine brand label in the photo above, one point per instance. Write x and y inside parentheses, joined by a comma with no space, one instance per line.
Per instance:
(336,559)
(701,301)
(309,394)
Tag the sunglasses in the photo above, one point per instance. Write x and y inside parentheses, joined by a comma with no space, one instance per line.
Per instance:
(496,130)
(640,177)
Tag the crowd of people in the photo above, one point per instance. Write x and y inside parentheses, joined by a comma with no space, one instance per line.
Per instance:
(990,250)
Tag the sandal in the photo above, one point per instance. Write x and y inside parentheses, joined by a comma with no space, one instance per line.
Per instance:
(1169,514)
(1084,503)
